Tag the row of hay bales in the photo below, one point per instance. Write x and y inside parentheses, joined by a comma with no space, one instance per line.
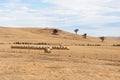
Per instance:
(37,43)
(87,45)
(30,47)
(39,47)
(46,48)
(116,45)
(29,43)
(60,47)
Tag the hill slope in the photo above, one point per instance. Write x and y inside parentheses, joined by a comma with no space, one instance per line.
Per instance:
(45,35)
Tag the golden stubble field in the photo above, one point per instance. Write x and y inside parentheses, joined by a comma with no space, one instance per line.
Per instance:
(78,63)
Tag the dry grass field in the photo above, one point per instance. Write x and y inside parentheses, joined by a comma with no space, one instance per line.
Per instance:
(78,63)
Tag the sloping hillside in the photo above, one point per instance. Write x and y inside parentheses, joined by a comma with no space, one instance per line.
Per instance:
(45,35)
(62,35)
(48,32)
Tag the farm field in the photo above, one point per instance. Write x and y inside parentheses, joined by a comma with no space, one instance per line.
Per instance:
(78,63)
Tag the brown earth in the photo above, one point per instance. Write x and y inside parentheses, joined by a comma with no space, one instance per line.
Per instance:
(78,63)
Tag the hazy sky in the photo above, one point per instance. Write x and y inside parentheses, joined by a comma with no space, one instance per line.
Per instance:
(94,17)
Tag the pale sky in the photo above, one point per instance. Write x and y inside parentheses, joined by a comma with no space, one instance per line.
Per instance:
(94,17)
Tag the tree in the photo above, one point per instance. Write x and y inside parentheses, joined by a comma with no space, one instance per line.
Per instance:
(84,35)
(55,31)
(76,30)
(102,39)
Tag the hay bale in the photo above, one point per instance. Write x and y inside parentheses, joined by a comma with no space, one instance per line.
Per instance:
(47,50)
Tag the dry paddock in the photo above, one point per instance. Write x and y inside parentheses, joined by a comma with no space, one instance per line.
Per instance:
(109,53)
(78,63)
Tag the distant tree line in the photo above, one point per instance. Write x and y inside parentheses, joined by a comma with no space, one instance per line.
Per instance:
(85,35)
(55,32)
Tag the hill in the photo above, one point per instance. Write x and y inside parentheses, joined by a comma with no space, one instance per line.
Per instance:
(45,35)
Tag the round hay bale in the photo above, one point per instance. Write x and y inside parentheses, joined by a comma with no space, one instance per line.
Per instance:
(68,48)
(47,50)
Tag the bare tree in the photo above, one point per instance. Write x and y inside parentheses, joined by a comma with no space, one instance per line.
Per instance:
(76,30)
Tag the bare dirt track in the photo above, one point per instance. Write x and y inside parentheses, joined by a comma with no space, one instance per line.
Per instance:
(78,63)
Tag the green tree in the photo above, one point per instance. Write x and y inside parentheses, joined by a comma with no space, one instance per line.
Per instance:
(76,31)
(55,31)
(102,39)
(84,35)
